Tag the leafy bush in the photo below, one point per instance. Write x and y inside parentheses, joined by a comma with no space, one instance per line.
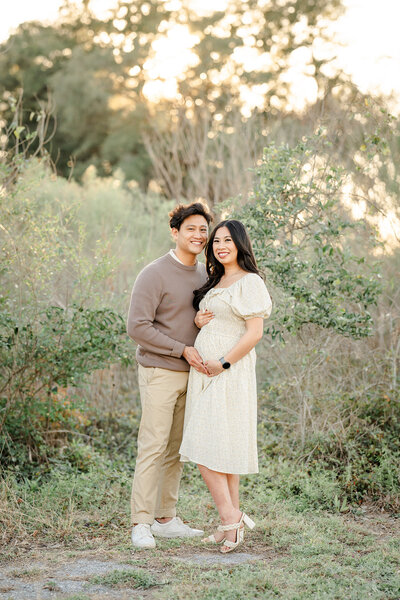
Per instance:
(360,456)
(302,239)
(55,326)
(58,275)
(42,363)
(367,457)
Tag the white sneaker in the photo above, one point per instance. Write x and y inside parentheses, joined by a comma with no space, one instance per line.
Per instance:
(142,537)
(174,528)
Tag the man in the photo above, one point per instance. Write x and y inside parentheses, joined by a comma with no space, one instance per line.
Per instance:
(161,321)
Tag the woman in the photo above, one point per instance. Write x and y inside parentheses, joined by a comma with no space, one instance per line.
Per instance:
(220,430)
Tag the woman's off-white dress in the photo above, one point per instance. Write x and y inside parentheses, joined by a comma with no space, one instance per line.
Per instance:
(220,429)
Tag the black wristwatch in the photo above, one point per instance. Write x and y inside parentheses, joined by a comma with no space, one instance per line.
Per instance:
(225,363)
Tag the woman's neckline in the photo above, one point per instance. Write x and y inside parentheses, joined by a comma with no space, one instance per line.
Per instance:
(229,286)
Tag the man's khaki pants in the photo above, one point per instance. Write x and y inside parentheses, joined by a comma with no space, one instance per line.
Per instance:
(158,468)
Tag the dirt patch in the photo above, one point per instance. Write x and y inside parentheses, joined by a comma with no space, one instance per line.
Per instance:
(93,578)
(43,581)
(372,521)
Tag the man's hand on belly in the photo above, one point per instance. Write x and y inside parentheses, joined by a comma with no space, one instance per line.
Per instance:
(194,359)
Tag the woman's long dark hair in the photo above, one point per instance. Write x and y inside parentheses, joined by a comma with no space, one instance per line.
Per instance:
(215,269)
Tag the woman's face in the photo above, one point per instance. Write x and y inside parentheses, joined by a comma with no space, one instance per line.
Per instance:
(224,248)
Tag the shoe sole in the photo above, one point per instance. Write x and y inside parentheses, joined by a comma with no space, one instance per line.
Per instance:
(141,547)
(178,535)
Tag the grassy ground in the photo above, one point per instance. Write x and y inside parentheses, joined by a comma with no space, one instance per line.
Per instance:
(306,545)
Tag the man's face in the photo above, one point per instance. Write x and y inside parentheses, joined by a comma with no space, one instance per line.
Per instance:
(192,235)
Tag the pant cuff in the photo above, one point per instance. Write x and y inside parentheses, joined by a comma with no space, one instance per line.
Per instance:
(165,512)
(142,519)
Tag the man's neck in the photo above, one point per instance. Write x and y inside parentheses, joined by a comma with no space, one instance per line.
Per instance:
(187,258)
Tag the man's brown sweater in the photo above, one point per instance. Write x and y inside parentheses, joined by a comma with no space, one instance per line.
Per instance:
(161,314)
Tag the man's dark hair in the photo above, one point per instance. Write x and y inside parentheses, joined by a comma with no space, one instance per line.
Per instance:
(183,211)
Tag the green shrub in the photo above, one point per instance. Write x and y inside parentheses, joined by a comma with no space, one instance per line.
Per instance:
(42,363)
(302,240)
(360,459)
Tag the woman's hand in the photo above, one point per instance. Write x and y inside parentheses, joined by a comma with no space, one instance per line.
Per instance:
(214,367)
(203,317)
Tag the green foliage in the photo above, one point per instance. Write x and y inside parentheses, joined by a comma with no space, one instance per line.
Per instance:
(50,339)
(338,466)
(40,362)
(83,118)
(367,457)
(45,259)
(67,344)
(97,69)
(302,239)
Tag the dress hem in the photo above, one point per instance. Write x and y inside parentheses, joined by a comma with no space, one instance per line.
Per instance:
(217,469)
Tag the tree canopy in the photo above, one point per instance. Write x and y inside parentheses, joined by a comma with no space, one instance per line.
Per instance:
(100,71)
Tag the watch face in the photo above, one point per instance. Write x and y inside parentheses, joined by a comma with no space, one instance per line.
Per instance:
(226,365)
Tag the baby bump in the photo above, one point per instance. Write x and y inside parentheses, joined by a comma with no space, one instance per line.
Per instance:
(213,344)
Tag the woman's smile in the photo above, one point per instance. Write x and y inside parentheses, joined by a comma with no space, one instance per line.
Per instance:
(224,247)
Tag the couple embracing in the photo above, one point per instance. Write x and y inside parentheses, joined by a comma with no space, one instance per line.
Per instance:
(196,328)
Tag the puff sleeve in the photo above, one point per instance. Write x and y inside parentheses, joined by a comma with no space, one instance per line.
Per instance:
(251,298)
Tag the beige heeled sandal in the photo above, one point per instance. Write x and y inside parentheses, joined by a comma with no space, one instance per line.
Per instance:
(229,546)
(211,538)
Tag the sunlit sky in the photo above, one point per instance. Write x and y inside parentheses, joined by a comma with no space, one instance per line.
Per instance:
(367,43)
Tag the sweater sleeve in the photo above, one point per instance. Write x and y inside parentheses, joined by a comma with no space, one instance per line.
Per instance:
(145,299)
